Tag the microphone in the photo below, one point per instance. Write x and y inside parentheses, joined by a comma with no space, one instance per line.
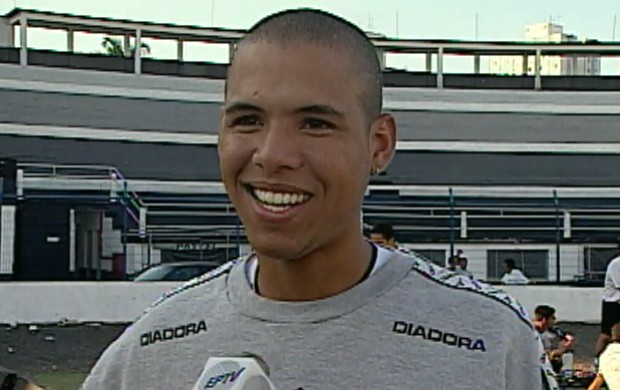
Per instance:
(557,331)
(245,371)
(12,381)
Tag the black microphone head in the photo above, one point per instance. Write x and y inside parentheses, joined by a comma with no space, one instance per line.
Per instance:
(259,359)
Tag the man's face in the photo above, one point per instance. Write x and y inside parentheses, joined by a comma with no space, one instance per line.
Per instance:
(295,147)
(379,239)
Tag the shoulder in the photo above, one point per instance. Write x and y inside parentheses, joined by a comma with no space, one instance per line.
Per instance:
(614,263)
(208,281)
(474,289)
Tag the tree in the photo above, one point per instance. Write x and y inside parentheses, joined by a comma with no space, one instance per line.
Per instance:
(114,47)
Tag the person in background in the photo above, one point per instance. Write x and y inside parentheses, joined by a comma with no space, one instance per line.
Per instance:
(513,275)
(9,380)
(461,266)
(383,234)
(609,363)
(555,341)
(452,260)
(611,304)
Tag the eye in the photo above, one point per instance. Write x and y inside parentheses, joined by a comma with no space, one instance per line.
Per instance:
(316,124)
(245,121)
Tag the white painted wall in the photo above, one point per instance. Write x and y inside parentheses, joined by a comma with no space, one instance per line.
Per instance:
(114,302)
(108,302)
(110,239)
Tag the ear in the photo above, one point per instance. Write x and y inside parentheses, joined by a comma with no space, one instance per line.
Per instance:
(382,142)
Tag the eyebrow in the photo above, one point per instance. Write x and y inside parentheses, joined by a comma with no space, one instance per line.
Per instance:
(321,109)
(241,106)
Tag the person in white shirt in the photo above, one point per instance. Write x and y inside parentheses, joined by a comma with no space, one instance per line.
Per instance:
(461,263)
(513,275)
(611,304)
(383,234)
(609,363)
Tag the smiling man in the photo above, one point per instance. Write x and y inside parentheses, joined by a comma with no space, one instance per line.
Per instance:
(302,131)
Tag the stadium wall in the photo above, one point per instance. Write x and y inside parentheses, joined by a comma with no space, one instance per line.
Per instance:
(51,302)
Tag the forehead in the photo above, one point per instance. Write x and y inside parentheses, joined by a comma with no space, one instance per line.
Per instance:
(293,73)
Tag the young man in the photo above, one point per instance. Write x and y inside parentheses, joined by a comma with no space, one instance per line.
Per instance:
(513,274)
(301,132)
(609,365)
(383,234)
(555,342)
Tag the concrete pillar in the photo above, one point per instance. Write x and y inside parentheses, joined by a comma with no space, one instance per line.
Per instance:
(23,41)
(429,62)
(70,42)
(72,240)
(463,224)
(567,224)
(138,55)
(232,47)
(537,63)
(477,64)
(180,50)
(382,58)
(440,68)
(126,44)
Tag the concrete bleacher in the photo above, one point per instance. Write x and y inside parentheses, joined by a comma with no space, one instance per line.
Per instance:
(504,145)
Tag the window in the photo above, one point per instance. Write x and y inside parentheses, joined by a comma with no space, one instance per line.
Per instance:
(595,261)
(436,256)
(533,262)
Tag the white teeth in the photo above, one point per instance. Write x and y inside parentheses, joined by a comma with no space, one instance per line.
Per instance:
(281,199)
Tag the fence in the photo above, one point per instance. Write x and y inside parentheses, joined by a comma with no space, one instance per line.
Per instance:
(554,235)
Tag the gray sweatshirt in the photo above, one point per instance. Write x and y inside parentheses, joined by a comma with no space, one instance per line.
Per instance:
(410,325)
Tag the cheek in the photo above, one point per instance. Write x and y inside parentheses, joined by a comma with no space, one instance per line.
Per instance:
(344,169)
(233,154)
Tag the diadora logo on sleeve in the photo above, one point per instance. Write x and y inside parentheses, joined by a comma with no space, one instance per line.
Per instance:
(438,336)
(172,333)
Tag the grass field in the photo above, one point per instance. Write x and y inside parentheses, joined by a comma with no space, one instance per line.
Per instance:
(58,380)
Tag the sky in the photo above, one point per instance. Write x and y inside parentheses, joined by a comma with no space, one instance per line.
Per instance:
(415,19)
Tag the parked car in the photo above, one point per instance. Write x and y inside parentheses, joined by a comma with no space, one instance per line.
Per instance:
(178,271)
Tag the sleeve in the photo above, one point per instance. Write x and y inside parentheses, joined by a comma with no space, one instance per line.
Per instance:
(614,273)
(527,364)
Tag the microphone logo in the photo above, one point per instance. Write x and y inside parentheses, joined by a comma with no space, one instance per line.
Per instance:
(245,372)
(223,373)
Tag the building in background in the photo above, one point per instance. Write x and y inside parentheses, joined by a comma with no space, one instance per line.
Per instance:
(566,65)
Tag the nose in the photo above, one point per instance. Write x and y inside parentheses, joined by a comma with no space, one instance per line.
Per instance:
(278,149)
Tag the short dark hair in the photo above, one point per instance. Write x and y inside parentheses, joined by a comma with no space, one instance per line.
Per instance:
(510,263)
(544,311)
(328,30)
(385,229)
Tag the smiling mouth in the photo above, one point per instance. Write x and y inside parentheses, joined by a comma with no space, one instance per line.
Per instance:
(277,201)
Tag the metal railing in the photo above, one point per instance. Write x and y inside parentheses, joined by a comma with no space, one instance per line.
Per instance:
(181,34)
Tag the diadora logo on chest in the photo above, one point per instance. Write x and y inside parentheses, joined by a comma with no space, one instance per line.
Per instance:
(439,336)
(168,334)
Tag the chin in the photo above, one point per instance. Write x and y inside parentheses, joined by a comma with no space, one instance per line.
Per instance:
(285,251)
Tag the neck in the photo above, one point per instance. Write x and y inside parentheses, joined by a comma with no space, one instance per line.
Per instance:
(539,326)
(324,273)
